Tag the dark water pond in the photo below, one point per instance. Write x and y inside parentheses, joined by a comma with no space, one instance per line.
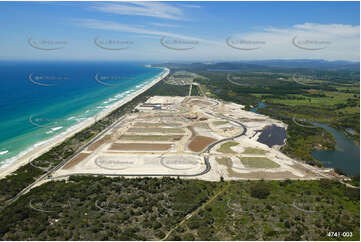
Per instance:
(272,135)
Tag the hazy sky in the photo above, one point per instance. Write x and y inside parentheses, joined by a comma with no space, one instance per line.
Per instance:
(179,31)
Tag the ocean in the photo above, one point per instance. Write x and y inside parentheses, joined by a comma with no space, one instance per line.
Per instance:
(40,100)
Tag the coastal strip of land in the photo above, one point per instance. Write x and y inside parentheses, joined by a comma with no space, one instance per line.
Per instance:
(54,141)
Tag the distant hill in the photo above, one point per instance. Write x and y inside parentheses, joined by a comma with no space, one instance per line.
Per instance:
(268,65)
(305,63)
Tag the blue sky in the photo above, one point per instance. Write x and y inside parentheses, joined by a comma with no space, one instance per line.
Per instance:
(179,31)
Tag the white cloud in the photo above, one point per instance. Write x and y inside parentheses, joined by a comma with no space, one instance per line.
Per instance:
(165,25)
(149,9)
(343,42)
(189,5)
(114,26)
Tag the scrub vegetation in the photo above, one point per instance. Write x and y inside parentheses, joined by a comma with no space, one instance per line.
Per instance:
(91,208)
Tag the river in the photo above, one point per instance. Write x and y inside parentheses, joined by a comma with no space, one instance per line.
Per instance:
(346,156)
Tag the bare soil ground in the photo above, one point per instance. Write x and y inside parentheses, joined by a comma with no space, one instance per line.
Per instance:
(200,103)
(151,137)
(308,172)
(76,160)
(139,146)
(156,130)
(146,124)
(253,175)
(202,125)
(220,123)
(98,143)
(200,142)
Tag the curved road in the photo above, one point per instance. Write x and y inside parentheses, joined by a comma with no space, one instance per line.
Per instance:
(206,159)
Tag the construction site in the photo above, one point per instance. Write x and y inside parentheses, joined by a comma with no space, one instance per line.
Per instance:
(189,137)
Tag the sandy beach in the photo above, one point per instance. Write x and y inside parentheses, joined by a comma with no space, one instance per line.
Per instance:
(54,141)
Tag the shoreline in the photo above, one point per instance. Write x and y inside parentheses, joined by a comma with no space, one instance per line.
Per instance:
(58,139)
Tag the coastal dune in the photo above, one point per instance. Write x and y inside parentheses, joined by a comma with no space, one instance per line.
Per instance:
(54,141)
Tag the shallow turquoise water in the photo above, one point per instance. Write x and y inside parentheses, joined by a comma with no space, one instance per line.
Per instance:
(63,95)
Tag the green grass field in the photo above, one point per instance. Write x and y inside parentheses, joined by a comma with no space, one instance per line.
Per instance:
(254,151)
(226,147)
(330,99)
(258,162)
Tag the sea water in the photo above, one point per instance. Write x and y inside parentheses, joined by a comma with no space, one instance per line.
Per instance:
(40,100)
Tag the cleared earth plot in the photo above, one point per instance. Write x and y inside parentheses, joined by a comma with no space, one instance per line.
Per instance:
(76,160)
(146,124)
(199,143)
(98,143)
(156,130)
(151,137)
(220,122)
(139,146)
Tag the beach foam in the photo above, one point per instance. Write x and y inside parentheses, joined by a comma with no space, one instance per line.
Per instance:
(3,152)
